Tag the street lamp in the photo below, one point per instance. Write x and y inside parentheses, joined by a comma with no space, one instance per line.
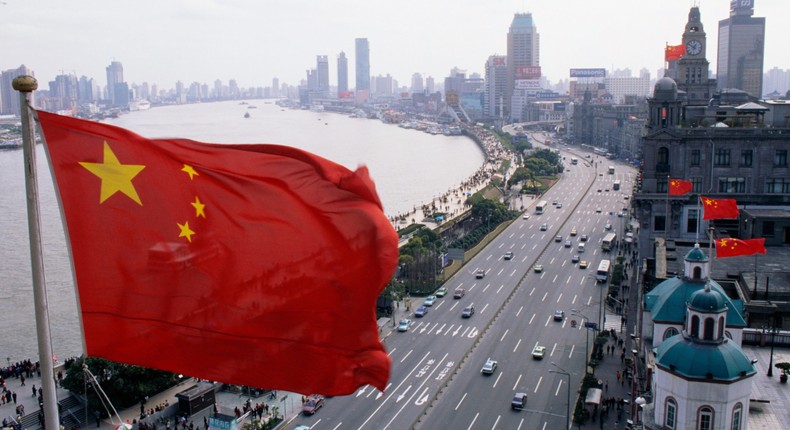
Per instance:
(773,331)
(640,403)
(568,412)
(586,338)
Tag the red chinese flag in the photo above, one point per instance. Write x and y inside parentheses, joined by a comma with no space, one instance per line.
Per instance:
(719,208)
(256,265)
(679,187)
(734,247)
(674,52)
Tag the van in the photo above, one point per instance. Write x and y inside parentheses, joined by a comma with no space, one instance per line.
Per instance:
(580,248)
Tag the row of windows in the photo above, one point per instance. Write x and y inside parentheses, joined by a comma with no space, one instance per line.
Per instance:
(721,158)
(705,416)
(732,185)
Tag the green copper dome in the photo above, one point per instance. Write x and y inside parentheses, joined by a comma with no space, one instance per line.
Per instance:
(692,360)
(696,254)
(707,300)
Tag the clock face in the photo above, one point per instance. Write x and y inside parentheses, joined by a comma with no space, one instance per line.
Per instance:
(694,47)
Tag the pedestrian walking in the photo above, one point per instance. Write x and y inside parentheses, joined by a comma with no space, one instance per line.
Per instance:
(606,386)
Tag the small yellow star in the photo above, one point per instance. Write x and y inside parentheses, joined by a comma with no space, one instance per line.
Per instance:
(199,212)
(185,231)
(190,171)
(114,176)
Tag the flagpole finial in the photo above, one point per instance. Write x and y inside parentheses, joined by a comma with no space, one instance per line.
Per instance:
(25,84)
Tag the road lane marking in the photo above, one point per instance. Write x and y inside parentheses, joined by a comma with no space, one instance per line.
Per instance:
(500,288)
(519,310)
(494,427)
(497,379)
(589,301)
(574,299)
(533,290)
(581,281)
(441,328)
(547,322)
(393,350)
(473,421)
(513,272)
(551,262)
(425,380)
(554,281)
(517,381)
(553,349)
(558,298)
(571,353)
(486,287)
(537,386)
(460,401)
(489,256)
(406,356)
(557,392)
(534,246)
(454,305)
(432,328)
(544,296)
(533,317)
(449,329)
(500,271)
(484,308)
(569,279)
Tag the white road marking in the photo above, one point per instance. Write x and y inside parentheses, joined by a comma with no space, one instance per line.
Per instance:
(517,345)
(460,401)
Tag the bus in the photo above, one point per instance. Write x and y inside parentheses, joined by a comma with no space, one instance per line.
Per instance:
(608,241)
(616,185)
(611,170)
(602,274)
(574,160)
(541,206)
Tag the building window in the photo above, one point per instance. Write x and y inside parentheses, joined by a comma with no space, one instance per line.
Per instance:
(693,218)
(736,417)
(672,331)
(709,323)
(777,186)
(721,158)
(662,185)
(659,223)
(732,185)
(705,418)
(696,273)
(768,229)
(695,157)
(670,411)
(746,158)
(721,328)
(696,185)
(780,158)
(695,326)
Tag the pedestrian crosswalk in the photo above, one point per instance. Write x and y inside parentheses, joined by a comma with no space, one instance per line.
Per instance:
(613,321)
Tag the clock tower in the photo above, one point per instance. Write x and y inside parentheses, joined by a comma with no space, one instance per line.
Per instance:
(692,69)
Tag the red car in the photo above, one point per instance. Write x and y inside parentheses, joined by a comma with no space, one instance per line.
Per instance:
(459,292)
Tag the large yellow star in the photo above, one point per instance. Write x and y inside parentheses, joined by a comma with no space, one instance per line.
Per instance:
(114,176)
(190,171)
(185,231)
(199,212)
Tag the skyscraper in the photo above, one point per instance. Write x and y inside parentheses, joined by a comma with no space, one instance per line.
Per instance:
(342,73)
(741,49)
(496,85)
(322,68)
(115,77)
(417,85)
(523,50)
(9,98)
(363,65)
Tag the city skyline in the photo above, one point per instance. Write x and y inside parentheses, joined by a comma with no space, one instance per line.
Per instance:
(162,43)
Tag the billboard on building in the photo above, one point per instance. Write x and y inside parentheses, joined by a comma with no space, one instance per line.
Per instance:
(527,72)
(345,94)
(498,61)
(588,73)
(527,84)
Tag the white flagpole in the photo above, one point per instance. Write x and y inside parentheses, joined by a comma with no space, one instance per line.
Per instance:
(26,85)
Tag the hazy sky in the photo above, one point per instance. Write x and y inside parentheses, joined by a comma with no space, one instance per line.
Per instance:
(253,41)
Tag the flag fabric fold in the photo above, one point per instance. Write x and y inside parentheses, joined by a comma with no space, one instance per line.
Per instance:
(679,187)
(674,52)
(719,208)
(729,247)
(255,265)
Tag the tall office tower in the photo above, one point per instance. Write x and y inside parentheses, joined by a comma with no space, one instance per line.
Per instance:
(64,89)
(417,85)
(363,64)
(114,77)
(429,85)
(496,85)
(233,89)
(275,87)
(523,50)
(741,49)
(85,89)
(218,89)
(322,68)
(342,73)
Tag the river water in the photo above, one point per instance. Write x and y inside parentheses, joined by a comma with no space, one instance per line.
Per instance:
(409,168)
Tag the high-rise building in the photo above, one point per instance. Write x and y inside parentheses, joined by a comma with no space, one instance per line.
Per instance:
(692,69)
(342,73)
(363,64)
(741,49)
(523,51)
(430,85)
(114,76)
(275,87)
(496,85)
(322,70)
(417,85)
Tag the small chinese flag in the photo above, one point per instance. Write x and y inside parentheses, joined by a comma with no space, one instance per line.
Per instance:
(719,208)
(255,265)
(734,247)
(679,187)
(674,52)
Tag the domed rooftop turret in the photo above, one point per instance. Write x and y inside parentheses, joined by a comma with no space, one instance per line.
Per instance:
(696,254)
(665,90)
(707,300)
(722,362)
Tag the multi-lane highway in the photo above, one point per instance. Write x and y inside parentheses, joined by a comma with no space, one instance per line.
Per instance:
(436,380)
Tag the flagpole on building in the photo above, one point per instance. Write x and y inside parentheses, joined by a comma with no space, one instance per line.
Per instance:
(699,216)
(666,210)
(26,85)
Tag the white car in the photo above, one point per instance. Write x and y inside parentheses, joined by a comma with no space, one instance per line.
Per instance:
(526,216)
(489,367)
(404,325)
(429,301)
(538,352)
